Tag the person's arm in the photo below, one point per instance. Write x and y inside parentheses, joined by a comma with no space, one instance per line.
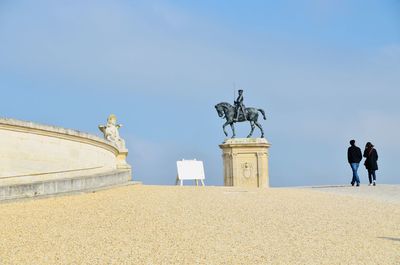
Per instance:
(348,155)
(359,154)
(376,152)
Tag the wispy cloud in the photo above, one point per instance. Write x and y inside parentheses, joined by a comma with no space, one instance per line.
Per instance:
(390,54)
(170,15)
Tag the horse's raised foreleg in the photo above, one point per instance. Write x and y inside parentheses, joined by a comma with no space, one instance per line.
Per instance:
(233,130)
(223,128)
(252,129)
(261,129)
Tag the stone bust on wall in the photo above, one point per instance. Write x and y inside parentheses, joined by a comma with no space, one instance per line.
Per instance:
(111,133)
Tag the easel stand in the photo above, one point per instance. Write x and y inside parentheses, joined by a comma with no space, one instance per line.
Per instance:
(190,170)
(196,181)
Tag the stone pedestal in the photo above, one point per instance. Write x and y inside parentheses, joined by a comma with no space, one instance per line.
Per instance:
(246,162)
(121,159)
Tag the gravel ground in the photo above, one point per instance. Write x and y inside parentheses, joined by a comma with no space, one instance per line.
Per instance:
(196,225)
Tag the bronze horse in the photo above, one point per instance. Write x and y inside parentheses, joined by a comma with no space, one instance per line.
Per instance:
(227,111)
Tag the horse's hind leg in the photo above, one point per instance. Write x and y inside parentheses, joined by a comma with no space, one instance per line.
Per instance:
(261,129)
(252,129)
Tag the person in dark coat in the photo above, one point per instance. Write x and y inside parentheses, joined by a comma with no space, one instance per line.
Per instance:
(354,157)
(371,158)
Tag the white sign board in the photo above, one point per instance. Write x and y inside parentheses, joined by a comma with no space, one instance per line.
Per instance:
(190,170)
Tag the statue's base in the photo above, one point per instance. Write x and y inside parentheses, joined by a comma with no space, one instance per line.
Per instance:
(246,162)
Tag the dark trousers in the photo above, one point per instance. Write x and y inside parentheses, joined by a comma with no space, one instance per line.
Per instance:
(371,175)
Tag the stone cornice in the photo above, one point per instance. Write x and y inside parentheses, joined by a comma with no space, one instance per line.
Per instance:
(246,142)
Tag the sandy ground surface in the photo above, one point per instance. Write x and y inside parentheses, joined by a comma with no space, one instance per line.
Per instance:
(195,225)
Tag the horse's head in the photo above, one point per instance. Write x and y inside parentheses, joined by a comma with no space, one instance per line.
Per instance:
(224,109)
(220,110)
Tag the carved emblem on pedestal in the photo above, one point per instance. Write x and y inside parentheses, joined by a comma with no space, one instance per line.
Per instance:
(247,170)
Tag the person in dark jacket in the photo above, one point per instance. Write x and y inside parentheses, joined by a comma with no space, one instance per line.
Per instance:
(371,158)
(354,157)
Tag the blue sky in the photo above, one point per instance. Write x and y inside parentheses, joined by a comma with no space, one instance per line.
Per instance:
(324,71)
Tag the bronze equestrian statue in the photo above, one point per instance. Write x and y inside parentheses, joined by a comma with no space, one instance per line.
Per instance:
(239,113)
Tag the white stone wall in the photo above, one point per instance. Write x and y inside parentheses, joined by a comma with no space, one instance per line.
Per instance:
(32,149)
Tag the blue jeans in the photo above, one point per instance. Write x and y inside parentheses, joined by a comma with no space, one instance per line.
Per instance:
(354,167)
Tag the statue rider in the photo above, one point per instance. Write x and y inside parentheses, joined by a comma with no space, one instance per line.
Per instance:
(239,106)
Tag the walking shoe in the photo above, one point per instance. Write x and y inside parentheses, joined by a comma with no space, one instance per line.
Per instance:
(370,184)
(352,183)
(374,183)
(358,185)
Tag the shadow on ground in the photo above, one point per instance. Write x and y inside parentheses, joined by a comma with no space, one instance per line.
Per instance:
(389,238)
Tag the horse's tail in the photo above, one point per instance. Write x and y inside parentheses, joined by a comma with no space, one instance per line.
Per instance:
(263,113)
